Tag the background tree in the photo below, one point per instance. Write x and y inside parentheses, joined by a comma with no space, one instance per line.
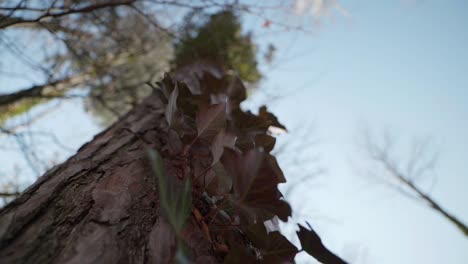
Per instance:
(405,172)
(219,38)
(86,43)
(108,53)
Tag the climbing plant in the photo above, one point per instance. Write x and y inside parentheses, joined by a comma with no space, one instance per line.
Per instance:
(216,165)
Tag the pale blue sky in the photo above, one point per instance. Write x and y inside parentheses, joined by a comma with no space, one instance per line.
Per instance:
(395,64)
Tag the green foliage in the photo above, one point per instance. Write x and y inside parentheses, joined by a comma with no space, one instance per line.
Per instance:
(117,51)
(175,197)
(120,58)
(218,38)
(18,108)
(175,201)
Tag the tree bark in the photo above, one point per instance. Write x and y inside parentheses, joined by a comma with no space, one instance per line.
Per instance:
(101,205)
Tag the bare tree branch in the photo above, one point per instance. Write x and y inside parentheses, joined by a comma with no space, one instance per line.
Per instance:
(8,194)
(417,166)
(40,91)
(6,21)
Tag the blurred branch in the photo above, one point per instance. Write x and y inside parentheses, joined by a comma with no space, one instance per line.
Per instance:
(7,194)
(26,148)
(39,91)
(296,164)
(8,21)
(417,166)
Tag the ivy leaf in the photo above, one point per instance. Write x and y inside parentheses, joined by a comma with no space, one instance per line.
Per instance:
(210,120)
(245,142)
(235,88)
(203,173)
(238,254)
(230,140)
(222,139)
(255,184)
(222,183)
(264,114)
(273,165)
(267,142)
(193,73)
(245,168)
(217,147)
(312,244)
(274,247)
(246,122)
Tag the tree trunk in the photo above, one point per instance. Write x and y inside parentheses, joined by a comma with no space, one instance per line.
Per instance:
(99,206)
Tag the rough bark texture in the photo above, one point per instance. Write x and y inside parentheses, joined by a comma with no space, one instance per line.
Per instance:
(101,205)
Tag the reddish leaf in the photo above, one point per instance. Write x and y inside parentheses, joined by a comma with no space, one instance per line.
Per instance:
(246,122)
(194,75)
(230,140)
(245,168)
(245,142)
(161,252)
(235,90)
(267,23)
(267,142)
(264,114)
(221,140)
(274,247)
(221,183)
(255,186)
(202,171)
(210,120)
(283,210)
(273,165)
(239,254)
(312,244)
